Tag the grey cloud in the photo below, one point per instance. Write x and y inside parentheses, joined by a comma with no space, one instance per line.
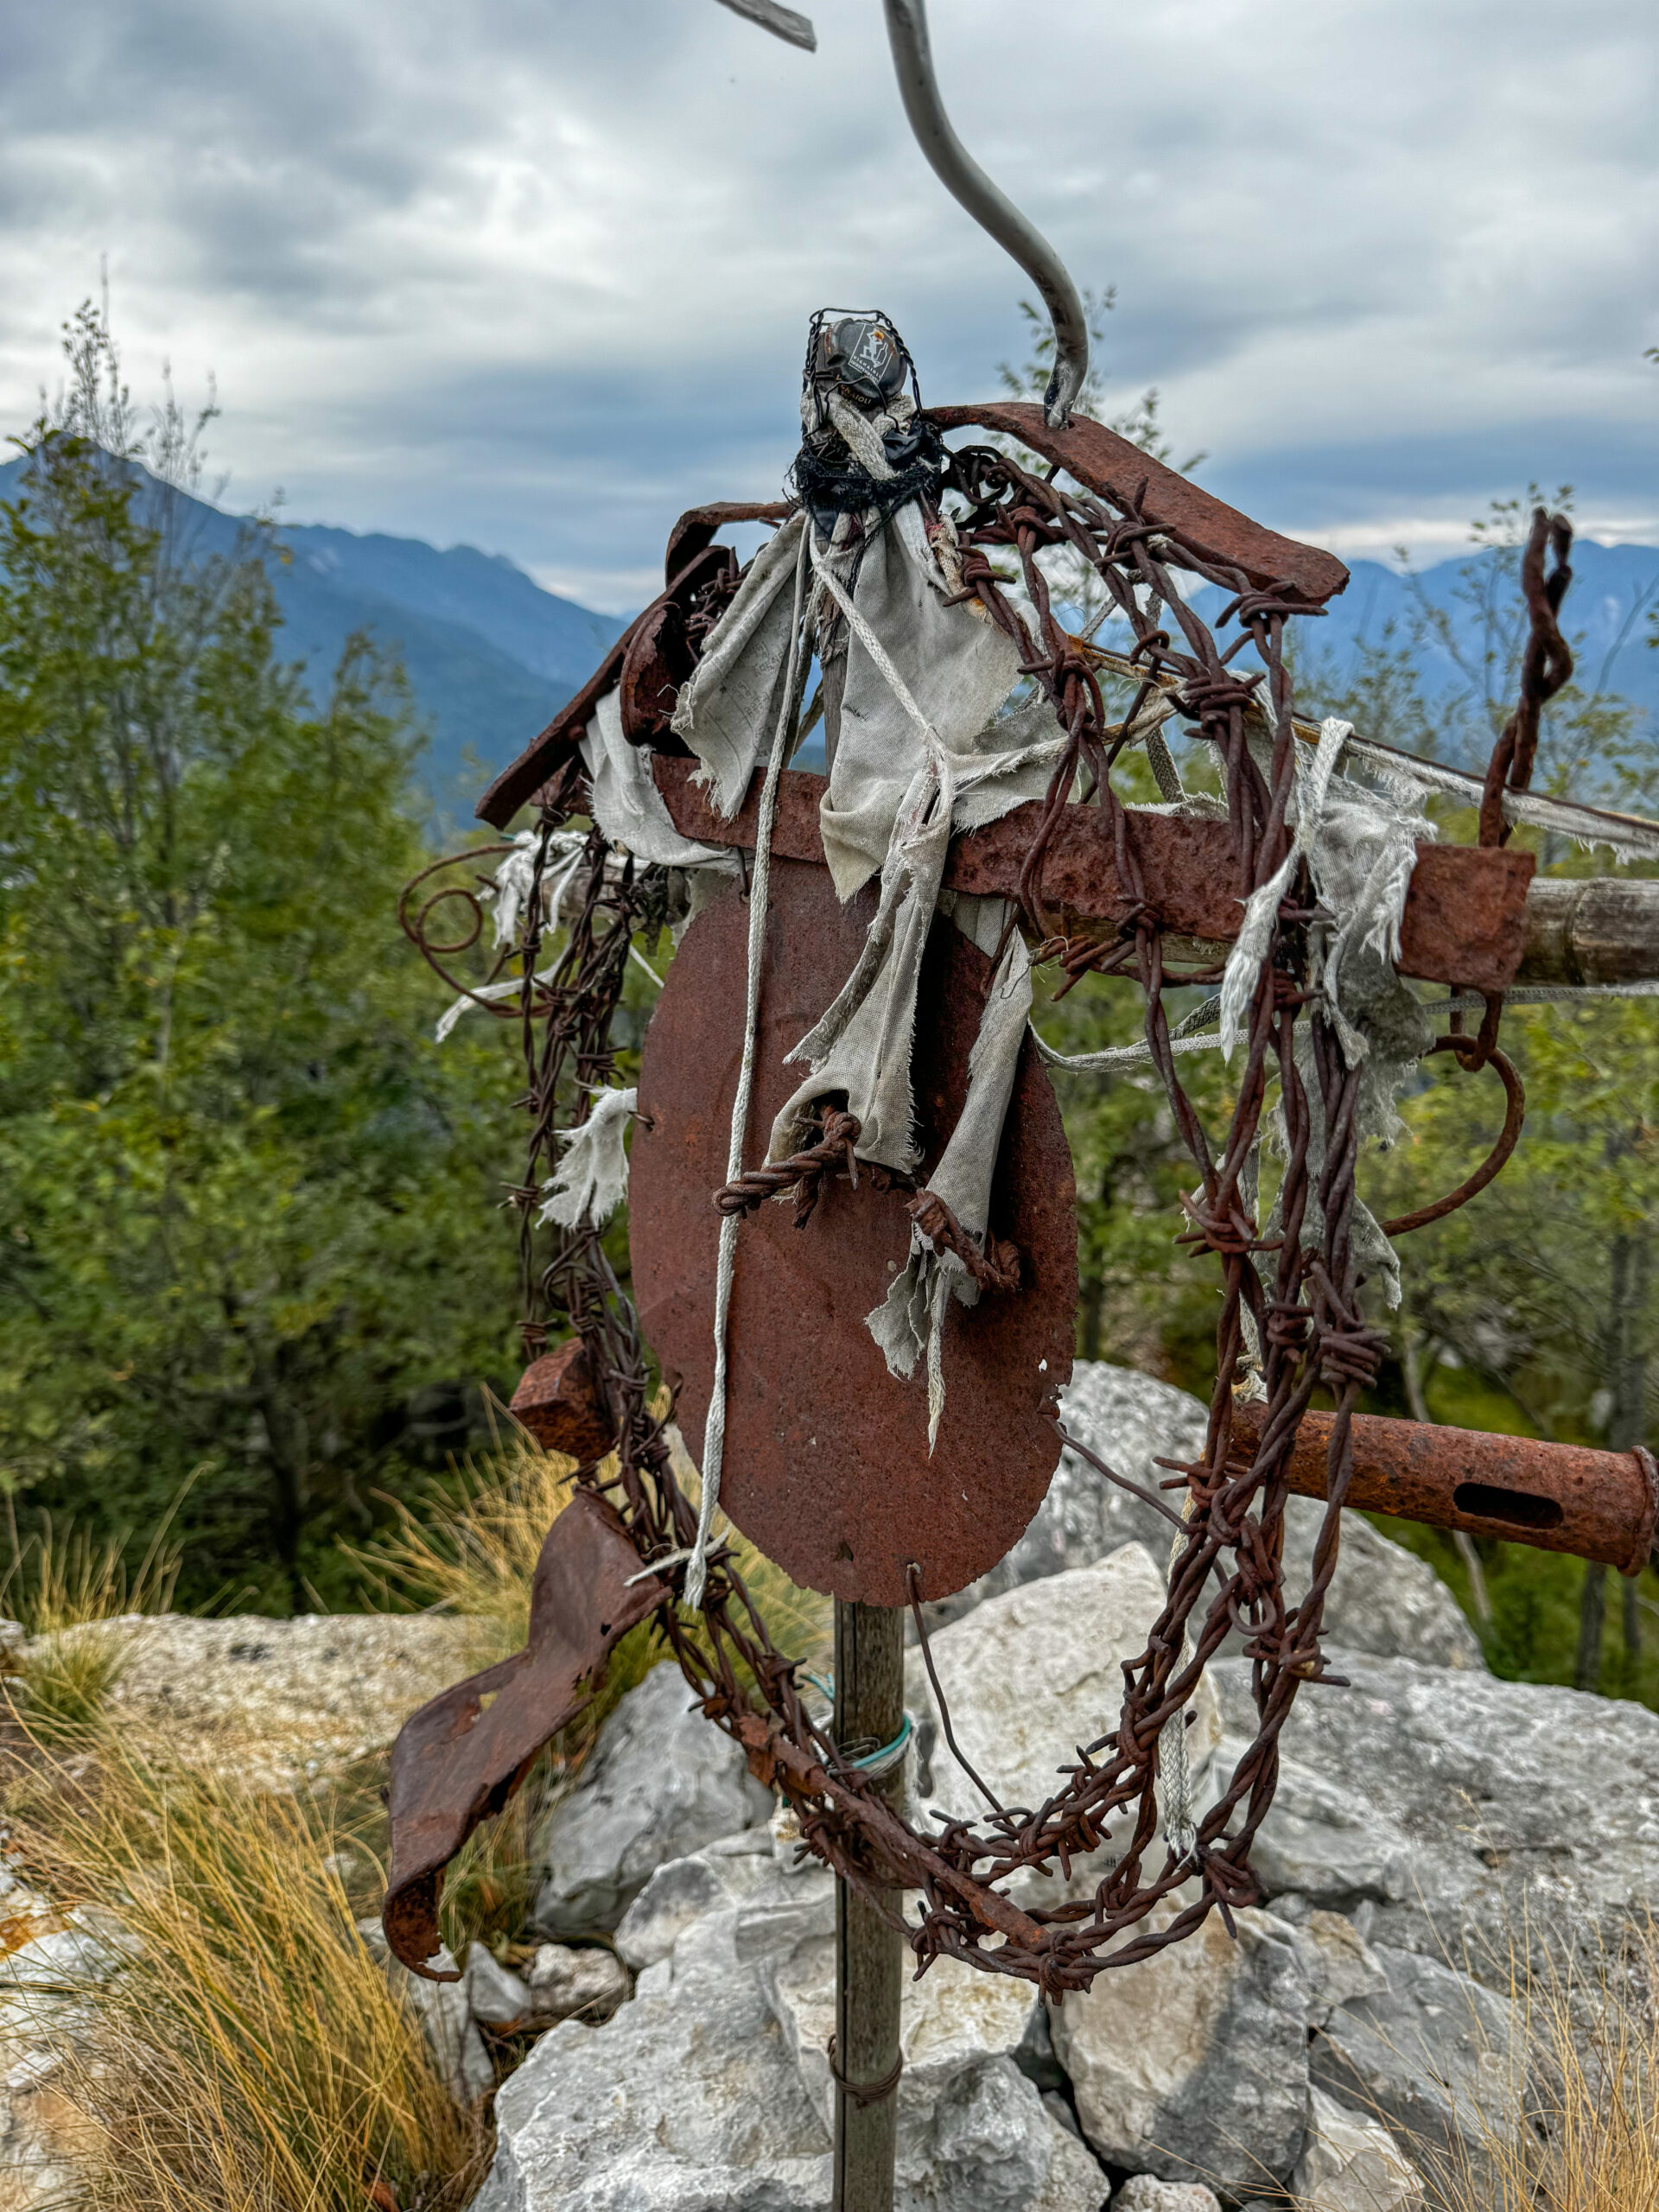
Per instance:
(535,273)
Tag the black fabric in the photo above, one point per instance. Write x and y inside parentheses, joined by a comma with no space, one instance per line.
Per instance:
(830,482)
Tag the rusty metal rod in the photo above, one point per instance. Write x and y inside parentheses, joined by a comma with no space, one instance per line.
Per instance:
(869,1954)
(1473,917)
(1557,1497)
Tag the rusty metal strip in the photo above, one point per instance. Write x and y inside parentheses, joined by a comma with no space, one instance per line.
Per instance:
(1465,917)
(1116,470)
(698,527)
(545,754)
(460,1758)
(1557,1497)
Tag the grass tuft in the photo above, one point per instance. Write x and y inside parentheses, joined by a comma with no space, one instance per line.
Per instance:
(1577,2130)
(251,2056)
(60,1584)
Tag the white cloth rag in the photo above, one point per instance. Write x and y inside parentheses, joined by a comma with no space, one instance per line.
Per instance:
(592,1178)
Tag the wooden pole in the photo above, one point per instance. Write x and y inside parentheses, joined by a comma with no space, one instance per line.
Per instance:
(869,1955)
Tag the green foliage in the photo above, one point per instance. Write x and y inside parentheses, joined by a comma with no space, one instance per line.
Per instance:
(245,1204)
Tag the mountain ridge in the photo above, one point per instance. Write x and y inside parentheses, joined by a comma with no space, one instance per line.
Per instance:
(490,655)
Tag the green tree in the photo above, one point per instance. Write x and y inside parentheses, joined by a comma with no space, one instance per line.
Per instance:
(245,1202)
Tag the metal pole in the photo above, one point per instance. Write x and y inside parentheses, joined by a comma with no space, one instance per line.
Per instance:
(869,1955)
(990,207)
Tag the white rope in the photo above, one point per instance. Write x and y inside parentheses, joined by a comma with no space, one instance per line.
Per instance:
(714,1433)
(1175,1768)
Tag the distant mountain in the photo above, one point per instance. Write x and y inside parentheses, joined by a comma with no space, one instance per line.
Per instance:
(1605,616)
(489,654)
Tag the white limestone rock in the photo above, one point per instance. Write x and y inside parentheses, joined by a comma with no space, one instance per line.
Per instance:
(1435,2056)
(1194,2065)
(688,2097)
(722,1873)
(1030,1675)
(1449,1812)
(1352,2164)
(660,1782)
(498,1998)
(275,1701)
(1146,2193)
(575,1982)
(975,2133)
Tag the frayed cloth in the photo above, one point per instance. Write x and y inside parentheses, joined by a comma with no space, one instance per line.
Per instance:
(592,1178)
(729,705)
(910,1321)
(627,805)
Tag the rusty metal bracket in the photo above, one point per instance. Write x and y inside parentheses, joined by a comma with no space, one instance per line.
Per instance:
(1465,913)
(461,1757)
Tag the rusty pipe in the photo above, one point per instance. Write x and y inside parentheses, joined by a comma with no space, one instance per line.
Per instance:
(1558,1497)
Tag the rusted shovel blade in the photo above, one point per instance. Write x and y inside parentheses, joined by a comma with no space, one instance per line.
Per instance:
(826,1460)
(461,1757)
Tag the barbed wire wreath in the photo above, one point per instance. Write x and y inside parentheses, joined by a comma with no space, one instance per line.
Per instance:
(1290,1319)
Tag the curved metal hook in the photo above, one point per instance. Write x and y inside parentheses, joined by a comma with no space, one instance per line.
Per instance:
(990,207)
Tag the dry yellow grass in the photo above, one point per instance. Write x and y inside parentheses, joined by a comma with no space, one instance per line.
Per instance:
(471,1550)
(1574,2127)
(59,1580)
(252,2056)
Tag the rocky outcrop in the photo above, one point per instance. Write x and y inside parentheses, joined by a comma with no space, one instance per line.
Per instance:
(1194,2065)
(1448,1812)
(272,1700)
(659,1783)
(1435,2057)
(1384,1600)
(712,2088)
(1319,2059)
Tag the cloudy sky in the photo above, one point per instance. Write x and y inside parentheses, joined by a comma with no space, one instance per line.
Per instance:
(535,273)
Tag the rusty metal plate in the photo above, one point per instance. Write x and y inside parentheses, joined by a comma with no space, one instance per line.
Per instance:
(826,1460)
(460,1758)
(1108,464)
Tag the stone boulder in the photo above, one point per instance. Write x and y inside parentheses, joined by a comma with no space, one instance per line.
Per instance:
(660,1782)
(707,2089)
(1028,1676)
(1436,2056)
(687,2096)
(1384,1600)
(274,1699)
(684,1890)
(1146,2193)
(1193,2065)
(1352,2164)
(576,1983)
(1449,1812)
